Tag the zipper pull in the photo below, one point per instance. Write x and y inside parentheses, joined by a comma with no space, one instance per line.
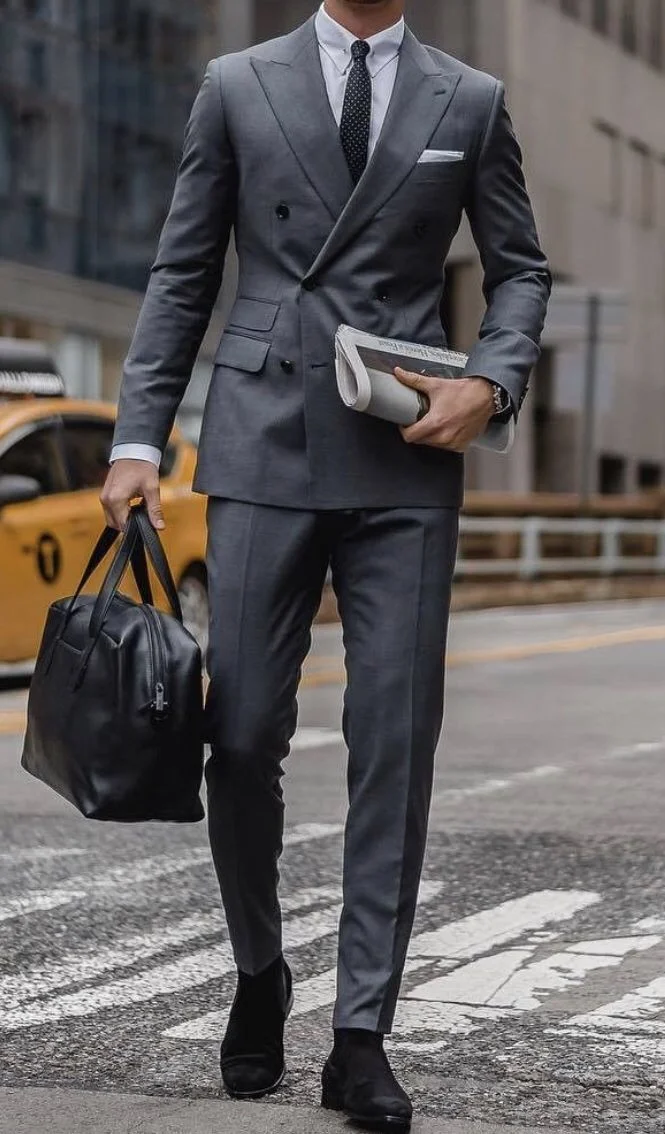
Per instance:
(160,704)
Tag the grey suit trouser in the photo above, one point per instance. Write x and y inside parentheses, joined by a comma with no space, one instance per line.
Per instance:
(392,571)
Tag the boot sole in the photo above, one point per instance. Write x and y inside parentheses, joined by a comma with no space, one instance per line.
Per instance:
(385,1122)
(248,1095)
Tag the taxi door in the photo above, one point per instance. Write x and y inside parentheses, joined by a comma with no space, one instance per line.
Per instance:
(40,550)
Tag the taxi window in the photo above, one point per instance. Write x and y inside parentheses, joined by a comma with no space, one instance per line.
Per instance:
(87,448)
(37,455)
(168,459)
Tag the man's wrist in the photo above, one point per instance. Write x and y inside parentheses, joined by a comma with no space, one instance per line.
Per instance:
(136,452)
(488,390)
(502,406)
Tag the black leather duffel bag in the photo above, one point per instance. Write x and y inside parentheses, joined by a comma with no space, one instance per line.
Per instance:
(115,712)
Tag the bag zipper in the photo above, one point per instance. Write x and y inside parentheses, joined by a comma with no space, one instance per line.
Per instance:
(159,704)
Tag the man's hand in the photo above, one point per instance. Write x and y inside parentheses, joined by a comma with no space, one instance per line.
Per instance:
(459,410)
(126,481)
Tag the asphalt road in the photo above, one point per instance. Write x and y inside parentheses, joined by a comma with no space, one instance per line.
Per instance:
(535,991)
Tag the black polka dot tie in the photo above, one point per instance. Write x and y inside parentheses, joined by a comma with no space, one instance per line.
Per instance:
(357,111)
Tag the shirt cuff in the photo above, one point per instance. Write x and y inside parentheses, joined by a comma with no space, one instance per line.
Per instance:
(136,453)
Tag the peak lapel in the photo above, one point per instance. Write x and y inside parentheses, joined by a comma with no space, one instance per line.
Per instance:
(295,88)
(421,96)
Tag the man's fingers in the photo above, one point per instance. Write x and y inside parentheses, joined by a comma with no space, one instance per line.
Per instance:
(422,382)
(116,513)
(154,505)
(127,480)
(421,430)
(439,438)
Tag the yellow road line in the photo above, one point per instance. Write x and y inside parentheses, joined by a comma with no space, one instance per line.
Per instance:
(560,646)
(12,723)
(332,670)
(457,660)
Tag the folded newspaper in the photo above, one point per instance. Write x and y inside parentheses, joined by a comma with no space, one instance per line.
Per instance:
(364,365)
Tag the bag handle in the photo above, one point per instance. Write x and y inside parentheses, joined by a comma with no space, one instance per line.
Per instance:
(152,544)
(99,553)
(140,537)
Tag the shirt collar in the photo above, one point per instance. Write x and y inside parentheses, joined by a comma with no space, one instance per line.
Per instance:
(336,41)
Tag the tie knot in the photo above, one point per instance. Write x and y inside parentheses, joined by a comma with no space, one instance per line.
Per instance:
(360,49)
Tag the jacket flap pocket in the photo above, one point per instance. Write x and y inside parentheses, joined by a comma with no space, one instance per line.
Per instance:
(244,354)
(255,314)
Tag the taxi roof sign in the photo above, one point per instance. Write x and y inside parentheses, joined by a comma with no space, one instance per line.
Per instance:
(27,368)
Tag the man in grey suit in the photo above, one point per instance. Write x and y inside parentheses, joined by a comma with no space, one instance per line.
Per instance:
(342,155)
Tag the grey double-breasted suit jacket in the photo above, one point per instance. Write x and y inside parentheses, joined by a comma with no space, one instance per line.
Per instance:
(262,156)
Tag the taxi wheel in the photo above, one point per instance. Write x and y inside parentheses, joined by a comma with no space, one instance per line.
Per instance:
(193,595)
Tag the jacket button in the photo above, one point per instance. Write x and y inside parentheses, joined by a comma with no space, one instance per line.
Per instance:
(283,211)
(287,366)
(310,284)
(383,296)
(420,228)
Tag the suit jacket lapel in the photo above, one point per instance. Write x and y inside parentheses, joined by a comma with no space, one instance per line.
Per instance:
(421,96)
(295,88)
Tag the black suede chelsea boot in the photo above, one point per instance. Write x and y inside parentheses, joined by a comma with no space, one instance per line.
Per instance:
(252,1052)
(358,1080)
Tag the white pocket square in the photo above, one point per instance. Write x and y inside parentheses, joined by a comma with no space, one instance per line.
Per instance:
(441,155)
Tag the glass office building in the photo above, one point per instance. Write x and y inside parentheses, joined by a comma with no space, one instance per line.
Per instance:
(94,95)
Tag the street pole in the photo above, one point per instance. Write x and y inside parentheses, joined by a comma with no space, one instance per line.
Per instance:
(588,456)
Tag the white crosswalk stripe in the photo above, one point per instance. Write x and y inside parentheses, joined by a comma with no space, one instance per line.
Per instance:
(307,738)
(39,854)
(196,969)
(38,902)
(87,964)
(633,1012)
(478,933)
(144,870)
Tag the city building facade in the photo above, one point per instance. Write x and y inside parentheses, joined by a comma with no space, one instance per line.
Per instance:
(93,99)
(94,95)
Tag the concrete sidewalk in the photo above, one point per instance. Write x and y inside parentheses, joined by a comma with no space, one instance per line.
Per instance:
(34,1110)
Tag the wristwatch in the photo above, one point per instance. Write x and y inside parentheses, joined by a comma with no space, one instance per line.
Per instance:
(503,407)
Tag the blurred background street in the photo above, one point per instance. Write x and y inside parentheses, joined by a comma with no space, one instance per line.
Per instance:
(534,996)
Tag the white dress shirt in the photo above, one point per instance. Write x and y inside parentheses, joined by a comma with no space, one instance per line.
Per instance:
(336,61)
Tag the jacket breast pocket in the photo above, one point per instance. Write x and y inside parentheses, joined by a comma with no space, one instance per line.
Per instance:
(242,353)
(443,173)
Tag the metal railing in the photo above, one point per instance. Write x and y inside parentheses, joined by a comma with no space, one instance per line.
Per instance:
(531,547)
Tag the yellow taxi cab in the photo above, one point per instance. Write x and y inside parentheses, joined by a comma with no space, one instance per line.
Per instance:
(54,453)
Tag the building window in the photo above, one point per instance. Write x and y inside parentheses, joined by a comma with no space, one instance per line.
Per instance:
(143,35)
(649,474)
(643,188)
(546,436)
(37,65)
(36,8)
(5,151)
(629,26)
(120,23)
(612,475)
(32,147)
(571,8)
(36,224)
(612,167)
(600,16)
(655,44)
